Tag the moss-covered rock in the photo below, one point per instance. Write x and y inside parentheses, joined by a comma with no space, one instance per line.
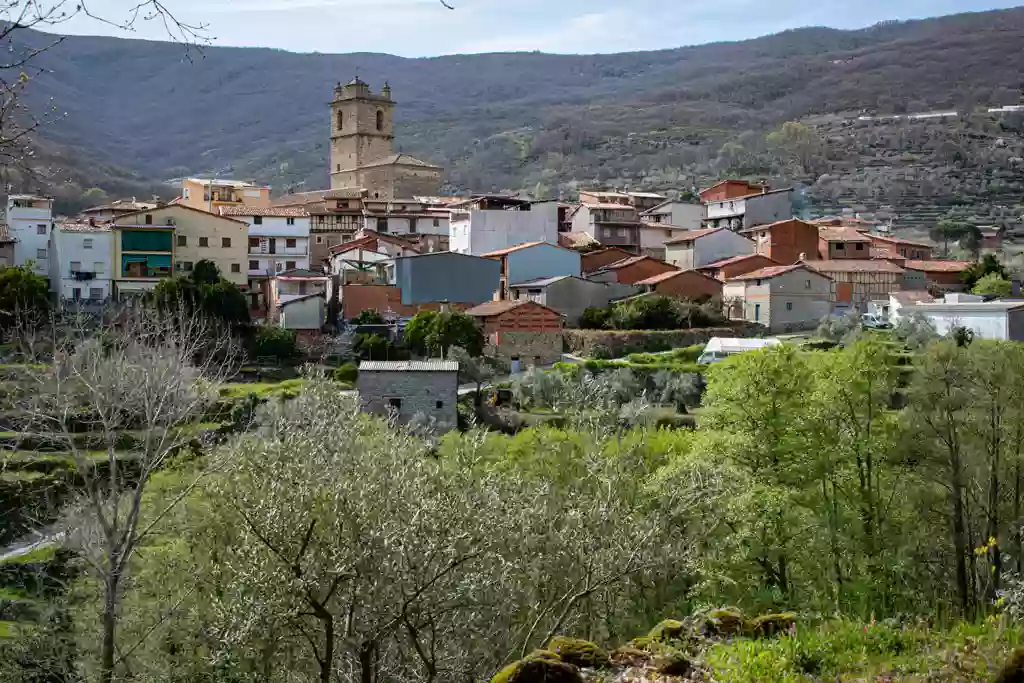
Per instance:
(667,631)
(1013,669)
(579,652)
(722,621)
(673,663)
(768,625)
(542,668)
(629,655)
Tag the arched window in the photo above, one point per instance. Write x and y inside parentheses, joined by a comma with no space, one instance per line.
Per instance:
(341,120)
(380,120)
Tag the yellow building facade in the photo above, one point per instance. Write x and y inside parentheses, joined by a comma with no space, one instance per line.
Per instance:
(209,195)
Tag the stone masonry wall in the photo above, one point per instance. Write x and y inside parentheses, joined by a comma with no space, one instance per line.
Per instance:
(528,346)
(419,392)
(617,343)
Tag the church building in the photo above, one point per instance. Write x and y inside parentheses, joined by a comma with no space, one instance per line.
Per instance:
(362,153)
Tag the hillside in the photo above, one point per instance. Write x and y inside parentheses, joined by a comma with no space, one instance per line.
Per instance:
(539,122)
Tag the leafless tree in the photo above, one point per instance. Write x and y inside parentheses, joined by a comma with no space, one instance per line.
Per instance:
(135,381)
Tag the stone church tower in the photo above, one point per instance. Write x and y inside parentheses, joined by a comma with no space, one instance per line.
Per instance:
(362,154)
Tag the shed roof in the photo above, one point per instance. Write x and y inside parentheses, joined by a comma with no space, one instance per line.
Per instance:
(939,266)
(691,235)
(542,282)
(668,275)
(731,260)
(524,245)
(842,234)
(409,366)
(492,308)
(774,271)
(854,265)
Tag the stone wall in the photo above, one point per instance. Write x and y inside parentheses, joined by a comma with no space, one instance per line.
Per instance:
(419,392)
(542,348)
(616,343)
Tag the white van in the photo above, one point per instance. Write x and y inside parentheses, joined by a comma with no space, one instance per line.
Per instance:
(720,348)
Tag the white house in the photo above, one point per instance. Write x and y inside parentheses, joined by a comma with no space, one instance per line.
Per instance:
(685,215)
(1002,320)
(29,222)
(782,298)
(737,213)
(80,261)
(697,248)
(490,223)
(278,237)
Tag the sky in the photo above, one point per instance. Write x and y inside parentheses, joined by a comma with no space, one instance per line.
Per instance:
(423,28)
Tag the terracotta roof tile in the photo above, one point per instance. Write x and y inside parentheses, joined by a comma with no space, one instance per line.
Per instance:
(842,234)
(731,260)
(770,272)
(938,266)
(668,275)
(509,250)
(912,297)
(691,235)
(854,266)
(492,308)
(269,211)
(899,240)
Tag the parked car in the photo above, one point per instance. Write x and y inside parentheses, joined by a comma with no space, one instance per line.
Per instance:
(720,348)
(871,321)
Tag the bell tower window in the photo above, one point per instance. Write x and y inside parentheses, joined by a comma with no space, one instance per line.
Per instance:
(341,120)
(380,120)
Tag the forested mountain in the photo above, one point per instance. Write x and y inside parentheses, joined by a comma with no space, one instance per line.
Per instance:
(538,122)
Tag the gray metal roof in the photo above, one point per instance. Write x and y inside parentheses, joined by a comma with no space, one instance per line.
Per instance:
(409,366)
(542,282)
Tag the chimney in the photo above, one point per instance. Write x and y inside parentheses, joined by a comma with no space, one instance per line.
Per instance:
(803,257)
(444,306)
(92,221)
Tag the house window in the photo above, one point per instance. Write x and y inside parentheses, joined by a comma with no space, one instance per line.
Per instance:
(290,221)
(789,305)
(395,403)
(319,239)
(183,241)
(289,265)
(188,265)
(903,252)
(757,283)
(439,405)
(41,229)
(225,242)
(254,265)
(289,243)
(807,284)
(149,219)
(76,266)
(236,268)
(257,220)
(840,247)
(380,120)
(204,241)
(860,246)
(254,243)
(620,232)
(40,253)
(87,243)
(437,222)
(341,120)
(76,293)
(95,292)
(338,168)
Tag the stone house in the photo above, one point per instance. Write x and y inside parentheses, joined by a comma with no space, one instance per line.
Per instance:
(782,298)
(843,243)
(697,248)
(570,295)
(690,285)
(897,246)
(737,265)
(856,282)
(785,242)
(631,270)
(522,330)
(409,389)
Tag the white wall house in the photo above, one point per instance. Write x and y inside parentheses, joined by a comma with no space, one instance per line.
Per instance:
(29,222)
(1002,320)
(278,238)
(685,215)
(697,248)
(737,213)
(80,261)
(477,228)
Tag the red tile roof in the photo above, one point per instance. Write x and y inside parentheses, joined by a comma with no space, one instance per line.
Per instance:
(524,245)
(912,297)
(900,240)
(938,266)
(852,265)
(769,226)
(770,272)
(120,219)
(489,309)
(842,234)
(668,275)
(269,211)
(731,260)
(691,235)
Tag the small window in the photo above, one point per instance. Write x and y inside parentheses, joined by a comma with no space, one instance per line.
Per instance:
(254,265)
(757,283)
(395,403)
(204,241)
(437,222)
(95,292)
(903,252)
(289,265)
(188,266)
(149,219)
(380,120)
(338,168)
(236,268)
(254,243)
(225,242)
(290,221)
(257,220)
(840,247)
(76,293)
(319,239)
(41,229)
(278,266)
(183,241)
(860,246)
(341,120)
(439,405)
(87,243)
(76,266)
(789,305)
(40,253)
(289,243)
(807,284)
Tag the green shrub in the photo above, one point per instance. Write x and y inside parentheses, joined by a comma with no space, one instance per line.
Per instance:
(275,342)
(347,373)
(595,318)
(577,652)
(372,347)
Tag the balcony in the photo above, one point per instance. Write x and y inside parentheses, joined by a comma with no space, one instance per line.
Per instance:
(82,275)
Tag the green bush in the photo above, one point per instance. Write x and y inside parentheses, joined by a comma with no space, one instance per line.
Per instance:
(368,317)
(347,373)
(372,347)
(275,342)
(577,652)
(595,318)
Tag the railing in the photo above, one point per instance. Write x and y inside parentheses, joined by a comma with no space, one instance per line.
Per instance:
(83,274)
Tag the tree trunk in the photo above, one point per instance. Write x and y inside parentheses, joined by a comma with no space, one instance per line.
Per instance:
(326,664)
(959,532)
(1016,512)
(366,662)
(107,650)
